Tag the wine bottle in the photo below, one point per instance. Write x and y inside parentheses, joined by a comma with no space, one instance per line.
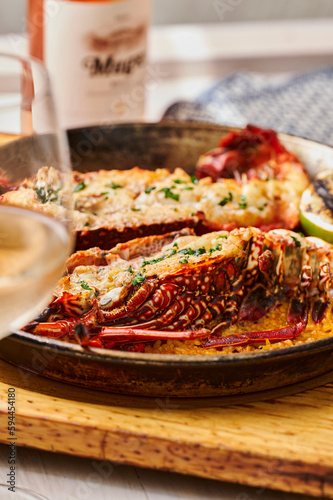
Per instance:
(95,51)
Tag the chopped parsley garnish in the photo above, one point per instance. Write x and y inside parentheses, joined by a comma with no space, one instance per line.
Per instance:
(263,207)
(112,185)
(226,200)
(194,179)
(86,224)
(153,261)
(242,203)
(105,193)
(173,251)
(79,187)
(130,269)
(183,261)
(190,251)
(47,195)
(138,278)
(188,188)
(179,181)
(215,249)
(222,236)
(169,194)
(84,285)
(187,251)
(159,259)
(149,189)
(297,242)
(135,209)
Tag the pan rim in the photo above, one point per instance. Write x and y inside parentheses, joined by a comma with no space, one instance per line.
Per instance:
(174,359)
(168,359)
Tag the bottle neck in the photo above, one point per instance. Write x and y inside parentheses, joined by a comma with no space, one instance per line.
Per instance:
(35,28)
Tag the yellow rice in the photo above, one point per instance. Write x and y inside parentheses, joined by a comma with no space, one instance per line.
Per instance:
(276,318)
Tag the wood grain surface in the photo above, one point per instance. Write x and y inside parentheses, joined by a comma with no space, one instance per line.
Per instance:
(285,443)
(4,138)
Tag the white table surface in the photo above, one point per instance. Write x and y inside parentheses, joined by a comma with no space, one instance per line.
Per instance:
(64,477)
(185,60)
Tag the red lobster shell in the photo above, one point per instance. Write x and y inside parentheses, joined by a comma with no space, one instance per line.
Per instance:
(181,286)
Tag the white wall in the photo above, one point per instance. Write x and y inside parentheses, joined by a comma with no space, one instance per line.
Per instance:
(194,11)
(12,13)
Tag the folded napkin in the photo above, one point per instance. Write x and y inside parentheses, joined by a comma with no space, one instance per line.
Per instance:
(300,105)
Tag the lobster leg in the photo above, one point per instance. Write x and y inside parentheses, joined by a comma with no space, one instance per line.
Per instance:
(297,316)
(196,308)
(289,332)
(157,303)
(256,304)
(229,314)
(124,335)
(176,308)
(318,310)
(54,329)
(298,311)
(97,316)
(215,307)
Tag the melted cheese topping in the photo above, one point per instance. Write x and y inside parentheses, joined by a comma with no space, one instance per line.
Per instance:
(186,253)
(118,199)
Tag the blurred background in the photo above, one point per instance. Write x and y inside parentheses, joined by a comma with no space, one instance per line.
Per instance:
(208,59)
(199,11)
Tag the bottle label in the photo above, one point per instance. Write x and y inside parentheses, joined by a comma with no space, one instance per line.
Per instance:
(96,55)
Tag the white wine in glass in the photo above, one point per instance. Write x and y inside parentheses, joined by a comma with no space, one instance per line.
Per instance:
(35,192)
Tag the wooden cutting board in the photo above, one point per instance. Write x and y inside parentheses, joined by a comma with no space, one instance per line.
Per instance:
(4,138)
(284,443)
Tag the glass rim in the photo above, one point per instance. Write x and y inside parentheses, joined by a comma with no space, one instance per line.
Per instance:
(43,90)
(26,59)
(33,63)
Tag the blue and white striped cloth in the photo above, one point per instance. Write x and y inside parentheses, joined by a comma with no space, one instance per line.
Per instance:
(301,105)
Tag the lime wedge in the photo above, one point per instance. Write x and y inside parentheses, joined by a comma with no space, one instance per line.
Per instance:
(316,207)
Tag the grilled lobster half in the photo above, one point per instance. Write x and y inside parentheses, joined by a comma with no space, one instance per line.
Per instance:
(182,286)
(249,180)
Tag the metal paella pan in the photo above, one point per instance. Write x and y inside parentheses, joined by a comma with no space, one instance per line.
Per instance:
(154,146)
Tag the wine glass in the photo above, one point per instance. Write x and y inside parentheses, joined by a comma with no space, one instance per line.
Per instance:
(35,192)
